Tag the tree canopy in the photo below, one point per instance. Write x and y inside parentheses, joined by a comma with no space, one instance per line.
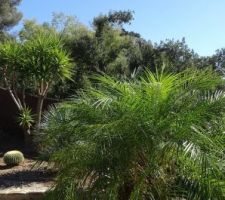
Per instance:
(107,47)
(9,15)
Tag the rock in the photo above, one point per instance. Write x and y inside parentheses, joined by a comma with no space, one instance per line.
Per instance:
(33,191)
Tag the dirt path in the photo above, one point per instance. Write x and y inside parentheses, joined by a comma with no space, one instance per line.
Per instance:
(25,181)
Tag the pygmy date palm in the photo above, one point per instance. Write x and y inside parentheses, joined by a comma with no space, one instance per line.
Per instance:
(158,137)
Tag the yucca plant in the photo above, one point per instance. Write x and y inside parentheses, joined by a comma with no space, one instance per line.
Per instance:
(36,63)
(26,119)
(158,137)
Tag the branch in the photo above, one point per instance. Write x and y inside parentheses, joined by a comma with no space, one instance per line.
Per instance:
(47,86)
(23,96)
(16,101)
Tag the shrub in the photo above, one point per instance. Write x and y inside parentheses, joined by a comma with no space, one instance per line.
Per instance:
(12,158)
(158,137)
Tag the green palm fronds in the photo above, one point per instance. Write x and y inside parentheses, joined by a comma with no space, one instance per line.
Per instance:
(158,137)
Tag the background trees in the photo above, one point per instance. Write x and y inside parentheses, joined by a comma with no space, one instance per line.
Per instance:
(9,16)
(107,47)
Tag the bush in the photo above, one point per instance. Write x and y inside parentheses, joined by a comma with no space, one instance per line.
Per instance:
(158,137)
(13,158)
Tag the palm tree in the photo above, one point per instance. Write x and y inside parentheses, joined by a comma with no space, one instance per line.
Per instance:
(158,137)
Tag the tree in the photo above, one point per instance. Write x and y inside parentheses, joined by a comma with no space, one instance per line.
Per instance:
(157,137)
(67,27)
(114,51)
(72,33)
(38,63)
(9,17)
(219,60)
(31,29)
(176,55)
(113,19)
(8,14)
(111,49)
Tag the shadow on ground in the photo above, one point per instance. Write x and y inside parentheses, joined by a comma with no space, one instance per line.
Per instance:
(21,178)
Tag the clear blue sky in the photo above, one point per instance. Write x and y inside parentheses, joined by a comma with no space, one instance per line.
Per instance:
(201,22)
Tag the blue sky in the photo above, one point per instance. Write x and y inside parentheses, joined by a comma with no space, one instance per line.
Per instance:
(201,22)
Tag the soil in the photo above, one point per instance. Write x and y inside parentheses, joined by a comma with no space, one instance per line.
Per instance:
(28,181)
(26,173)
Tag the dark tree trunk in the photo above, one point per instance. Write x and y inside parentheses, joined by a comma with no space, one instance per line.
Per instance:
(125,191)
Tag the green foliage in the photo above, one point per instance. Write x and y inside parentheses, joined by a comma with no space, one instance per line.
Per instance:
(120,17)
(115,18)
(9,14)
(157,137)
(26,119)
(31,28)
(39,58)
(175,54)
(219,60)
(66,27)
(46,58)
(13,60)
(13,158)
(37,63)
(71,32)
(9,17)
(111,49)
